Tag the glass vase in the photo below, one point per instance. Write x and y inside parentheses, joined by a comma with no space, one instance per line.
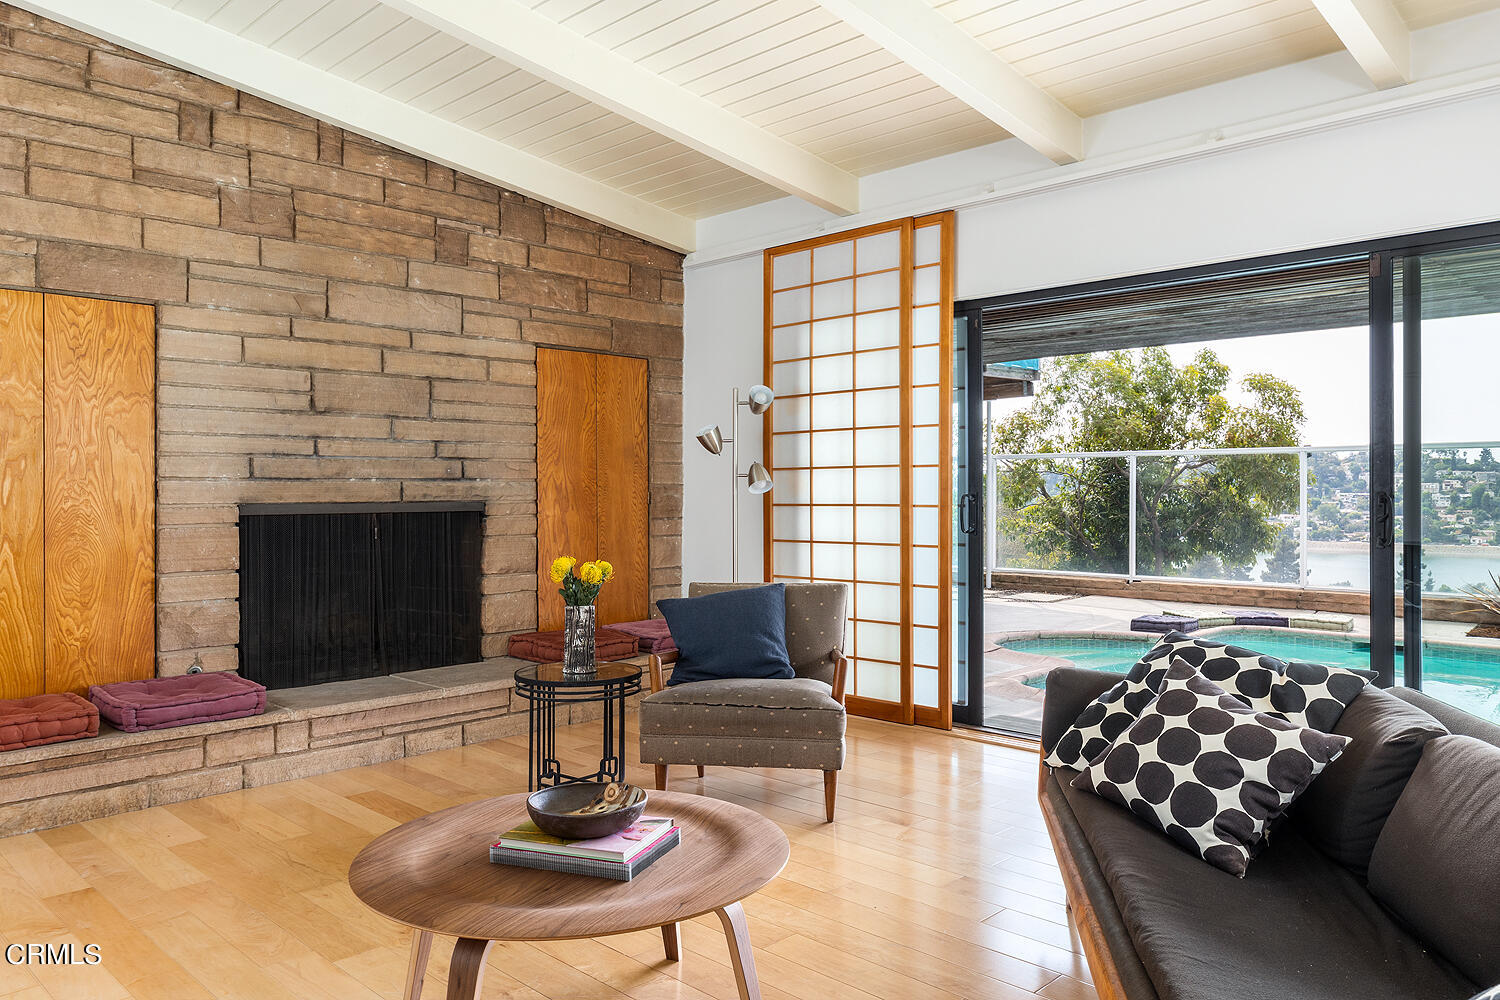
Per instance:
(578,640)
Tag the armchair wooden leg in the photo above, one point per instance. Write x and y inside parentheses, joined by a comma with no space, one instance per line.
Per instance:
(661,777)
(830,792)
(700,770)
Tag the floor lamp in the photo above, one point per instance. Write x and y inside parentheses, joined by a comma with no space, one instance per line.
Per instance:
(758,400)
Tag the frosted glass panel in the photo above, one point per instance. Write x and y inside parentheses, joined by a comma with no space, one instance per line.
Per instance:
(877,680)
(833,298)
(833,562)
(790,377)
(833,336)
(924,645)
(925,367)
(877,291)
(790,450)
(926,523)
(876,407)
(790,269)
(876,368)
(836,260)
(925,405)
(879,524)
(925,485)
(925,567)
(880,251)
(790,342)
(790,307)
(793,413)
(792,558)
(833,448)
(877,329)
(925,687)
(833,373)
(878,601)
(927,245)
(924,441)
(881,445)
(878,642)
(833,485)
(832,411)
(791,522)
(793,486)
(925,326)
(925,603)
(879,485)
(880,563)
(926,286)
(833,524)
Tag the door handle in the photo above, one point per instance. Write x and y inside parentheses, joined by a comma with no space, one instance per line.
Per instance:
(1385,521)
(968,513)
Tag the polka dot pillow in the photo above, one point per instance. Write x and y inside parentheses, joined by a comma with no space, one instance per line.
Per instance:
(1208,771)
(1309,695)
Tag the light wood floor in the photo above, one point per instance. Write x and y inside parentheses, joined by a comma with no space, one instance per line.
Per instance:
(936,881)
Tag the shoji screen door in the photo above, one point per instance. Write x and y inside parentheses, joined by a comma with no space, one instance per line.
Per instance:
(858,349)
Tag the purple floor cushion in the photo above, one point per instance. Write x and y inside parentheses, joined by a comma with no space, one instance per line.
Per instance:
(1269,618)
(164,702)
(652,635)
(46,718)
(1163,624)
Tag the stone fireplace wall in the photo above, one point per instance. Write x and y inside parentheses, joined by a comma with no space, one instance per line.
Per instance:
(337,320)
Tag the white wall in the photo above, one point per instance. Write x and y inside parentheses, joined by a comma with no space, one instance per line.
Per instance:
(1303,156)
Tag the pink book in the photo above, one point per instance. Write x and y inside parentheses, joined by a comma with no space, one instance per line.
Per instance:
(620,847)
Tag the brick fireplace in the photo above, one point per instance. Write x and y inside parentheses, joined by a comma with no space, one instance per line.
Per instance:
(338,322)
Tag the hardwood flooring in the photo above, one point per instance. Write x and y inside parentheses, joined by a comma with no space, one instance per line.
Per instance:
(935,882)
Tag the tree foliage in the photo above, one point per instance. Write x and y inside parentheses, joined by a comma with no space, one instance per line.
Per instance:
(1073,513)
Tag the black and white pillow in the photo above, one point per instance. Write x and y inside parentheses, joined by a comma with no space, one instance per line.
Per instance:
(1208,771)
(1309,695)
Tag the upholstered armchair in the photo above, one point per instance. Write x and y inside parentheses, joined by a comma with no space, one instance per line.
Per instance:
(795,723)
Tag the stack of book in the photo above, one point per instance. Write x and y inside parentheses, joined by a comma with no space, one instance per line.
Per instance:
(621,856)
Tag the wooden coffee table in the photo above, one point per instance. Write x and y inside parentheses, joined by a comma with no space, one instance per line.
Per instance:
(434,874)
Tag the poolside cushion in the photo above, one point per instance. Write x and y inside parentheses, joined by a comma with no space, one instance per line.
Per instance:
(547,647)
(1325,623)
(1164,623)
(1207,770)
(46,718)
(651,635)
(1269,619)
(1343,814)
(164,702)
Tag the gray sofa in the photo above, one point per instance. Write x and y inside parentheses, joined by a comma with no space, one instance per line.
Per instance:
(1352,897)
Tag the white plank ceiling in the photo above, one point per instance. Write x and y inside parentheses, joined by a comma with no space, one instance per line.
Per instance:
(794,70)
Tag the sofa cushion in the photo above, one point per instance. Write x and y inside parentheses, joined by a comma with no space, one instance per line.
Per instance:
(733,634)
(46,718)
(1298,927)
(547,647)
(799,708)
(1437,862)
(1343,812)
(164,702)
(815,622)
(1207,771)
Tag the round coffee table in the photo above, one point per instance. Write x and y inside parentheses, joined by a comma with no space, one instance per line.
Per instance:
(434,874)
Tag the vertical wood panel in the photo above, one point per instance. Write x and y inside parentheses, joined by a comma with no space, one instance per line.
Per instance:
(567,479)
(21,648)
(624,497)
(100,500)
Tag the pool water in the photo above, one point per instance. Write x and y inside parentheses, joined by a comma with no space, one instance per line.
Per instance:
(1465,678)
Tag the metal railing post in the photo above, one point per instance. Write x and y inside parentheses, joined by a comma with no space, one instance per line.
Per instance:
(1302,509)
(991,503)
(1130,463)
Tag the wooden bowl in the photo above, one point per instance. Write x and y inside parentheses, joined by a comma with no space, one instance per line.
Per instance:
(554,810)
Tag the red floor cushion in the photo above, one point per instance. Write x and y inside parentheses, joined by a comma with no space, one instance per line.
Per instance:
(46,718)
(547,647)
(164,702)
(652,635)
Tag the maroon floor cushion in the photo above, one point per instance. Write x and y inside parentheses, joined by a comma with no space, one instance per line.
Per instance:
(164,702)
(547,647)
(46,718)
(652,635)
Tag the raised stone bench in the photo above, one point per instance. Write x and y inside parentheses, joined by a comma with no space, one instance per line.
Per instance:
(304,731)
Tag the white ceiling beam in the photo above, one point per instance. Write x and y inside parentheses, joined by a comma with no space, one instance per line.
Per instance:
(191,44)
(958,62)
(511,31)
(1375,35)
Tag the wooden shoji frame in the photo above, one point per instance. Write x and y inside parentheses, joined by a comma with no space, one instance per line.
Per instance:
(825,515)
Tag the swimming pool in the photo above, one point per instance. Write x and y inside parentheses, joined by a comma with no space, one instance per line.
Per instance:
(1466,677)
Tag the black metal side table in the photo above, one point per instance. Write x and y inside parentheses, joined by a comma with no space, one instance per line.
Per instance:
(545,686)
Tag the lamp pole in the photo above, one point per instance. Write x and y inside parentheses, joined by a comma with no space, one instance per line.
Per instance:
(734,485)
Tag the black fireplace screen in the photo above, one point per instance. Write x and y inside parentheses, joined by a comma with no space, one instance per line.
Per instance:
(331,592)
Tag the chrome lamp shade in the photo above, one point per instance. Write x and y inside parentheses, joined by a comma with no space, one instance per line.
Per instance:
(759,479)
(712,439)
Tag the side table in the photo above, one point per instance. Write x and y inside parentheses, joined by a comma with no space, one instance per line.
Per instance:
(545,687)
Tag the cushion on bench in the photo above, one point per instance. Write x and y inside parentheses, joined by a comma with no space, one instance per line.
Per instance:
(547,647)
(46,718)
(1164,624)
(164,702)
(652,635)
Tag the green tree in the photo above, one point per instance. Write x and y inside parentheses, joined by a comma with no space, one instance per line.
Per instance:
(1283,565)
(1073,513)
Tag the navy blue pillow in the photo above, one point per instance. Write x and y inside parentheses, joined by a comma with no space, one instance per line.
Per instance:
(734,633)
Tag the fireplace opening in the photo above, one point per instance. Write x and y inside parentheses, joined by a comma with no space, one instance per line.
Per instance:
(332,592)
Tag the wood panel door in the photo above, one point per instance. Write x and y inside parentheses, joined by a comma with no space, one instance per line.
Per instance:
(592,475)
(21,648)
(99,494)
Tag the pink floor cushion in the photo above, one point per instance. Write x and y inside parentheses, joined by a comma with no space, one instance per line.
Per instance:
(164,702)
(652,635)
(46,718)
(547,647)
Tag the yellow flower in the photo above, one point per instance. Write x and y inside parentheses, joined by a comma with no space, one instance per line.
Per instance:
(561,567)
(607,568)
(591,573)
